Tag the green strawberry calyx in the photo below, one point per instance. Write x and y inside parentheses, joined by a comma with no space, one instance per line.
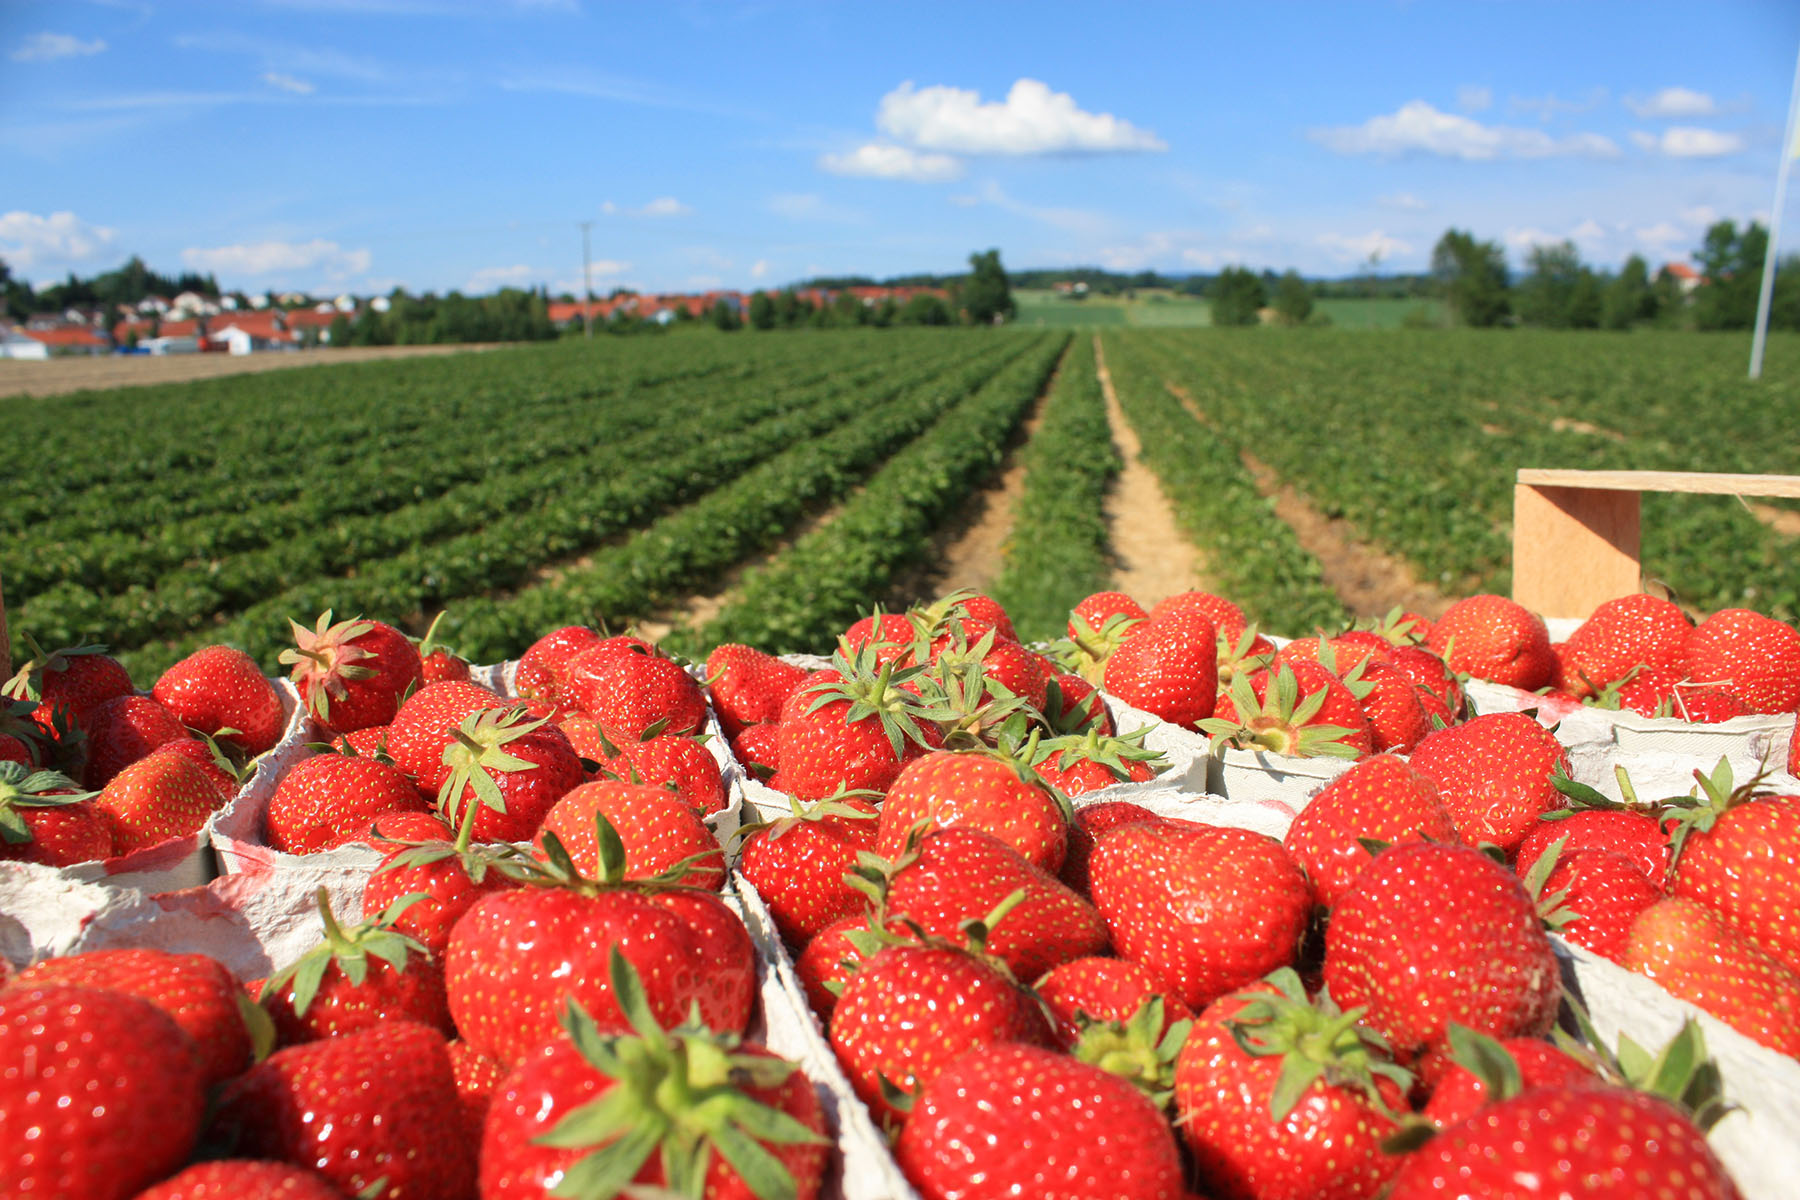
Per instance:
(1280,722)
(1316,1042)
(874,691)
(679,1093)
(836,806)
(1114,753)
(477,752)
(324,661)
(1137,1049)
(350,950)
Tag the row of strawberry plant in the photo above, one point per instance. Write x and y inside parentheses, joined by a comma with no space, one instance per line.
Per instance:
(182,599)
(1251,554)
(826,578)
(1057,552)
(689,549)
(551,526)
(1416,440)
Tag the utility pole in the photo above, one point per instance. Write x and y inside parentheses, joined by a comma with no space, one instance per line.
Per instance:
(587,283)
(1790,143)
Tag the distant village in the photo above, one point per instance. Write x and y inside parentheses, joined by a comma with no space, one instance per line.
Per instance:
(193,323)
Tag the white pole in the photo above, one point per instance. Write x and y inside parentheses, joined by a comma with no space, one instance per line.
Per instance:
(587,285)
(1788,147)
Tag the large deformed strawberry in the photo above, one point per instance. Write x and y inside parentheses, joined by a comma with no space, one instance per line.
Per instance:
(353,673)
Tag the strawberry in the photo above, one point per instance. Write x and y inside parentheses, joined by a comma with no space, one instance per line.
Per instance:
(1568,1140)
(825,964)
(383,827)
(511,768)
(240,1179)
(328,788)
(197,993)
(1738,853)
(1631,631)
(965,613)
(1631,834)
(544,666)
(205,753)
(437,663)
(1398,719)
(758,746)
(682,766)
(1431,933)
(71,682)
(852,728)
(426,726)
(518,955)
(1101,609)
(1430,672)
(1755,656)
(1208,909)
(1380,798)
(1491,637)
(101,1093)
(1282,1097)
(887,636)
(955,875)
(1019,1120)
(1697,957)
(375,1112)
(601,1112)
(1495,775)
(446,877)
(1098,626)
(1298,709)
(352,674)
(798,863)
(1168,667)
(1484,1071)
(660,834)
(370,742)
(122,730)
(1226,617)
(910,1011)
(356,978)
(1594,897)
(477,1078)
(155,799)
(748,687)
(1250,653)
(16,750)
(1091,823)
(45,819)
(1073,705)
(221,687)
(975,789)
(628,689)
(1086,991)
(1079,764)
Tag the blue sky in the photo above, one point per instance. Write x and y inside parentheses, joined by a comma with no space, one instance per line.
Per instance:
(359,144)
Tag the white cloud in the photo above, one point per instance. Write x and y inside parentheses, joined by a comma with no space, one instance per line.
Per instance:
(1069,220)
(1031,120)
(1361,247)
(1688,141)
(1401,200)
(1674,102)
(488,279)
(1661,234)
(883,160)
(28,240)
(759,268)
(664,206)
(1474,98)
(1548,107)
(264,258)
(1419,128)
(288,83)
(1589,236)
(47,47)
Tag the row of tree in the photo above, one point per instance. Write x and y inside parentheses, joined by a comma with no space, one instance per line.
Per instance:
(508,315)
(119,289)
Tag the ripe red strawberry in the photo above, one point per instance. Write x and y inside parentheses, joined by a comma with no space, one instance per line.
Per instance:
(544,666)
(205,754)
(1208,909)
(1168,667)
(1226,617)
(1430,672)
(45,819)
(517,956)
(1087,990)
(1299,709)
(1281,1097)
(477,1078)
(221,687)
(1495,775)
(16,750)
(1740,856)
(682,766)
(1490,637)
(1018,1120)
(910,1011)
(1091,823)
(1009,666)
(1085,763)
(1099,609)
(513,769)
(798,863)
(1595,897)
(437,663)
(1469,1084)
(196,992)
(1398,720)
(1755,656)
(370,742)
(355,979)
(1632,834)
(659,832)
(758,749)
(1631,631)
(1696,957)
(122,730)
(427,723)
(689,1109)
(241,1179)
(1380,798)
(888,637)
(748,687)
(155,799)
(974,789)
(101,1093)
(852,728)
(628,690)
(330,788)
(964,614)
(1566,1141)
(354,673)
(382,828)
(72,682)
(1429,934)
(376,1105)
(1073,705)
(447,876)
(956,875)
(825,964)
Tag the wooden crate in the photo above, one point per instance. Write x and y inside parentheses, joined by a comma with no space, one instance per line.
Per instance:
(1575,533)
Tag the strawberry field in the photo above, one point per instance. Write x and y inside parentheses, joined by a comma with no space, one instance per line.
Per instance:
(835,879)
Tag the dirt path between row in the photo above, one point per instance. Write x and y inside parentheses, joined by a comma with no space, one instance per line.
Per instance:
(59,376)
(1153,559)
(1367,579)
